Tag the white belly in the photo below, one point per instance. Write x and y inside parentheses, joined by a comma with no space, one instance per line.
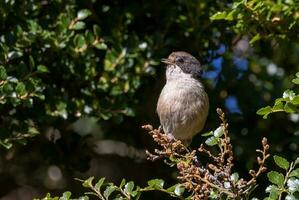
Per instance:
(183,108)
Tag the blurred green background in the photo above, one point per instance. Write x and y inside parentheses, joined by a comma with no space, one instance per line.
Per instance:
(79,78)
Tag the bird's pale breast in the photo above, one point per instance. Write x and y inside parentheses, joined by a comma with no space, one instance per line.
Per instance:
(183,108)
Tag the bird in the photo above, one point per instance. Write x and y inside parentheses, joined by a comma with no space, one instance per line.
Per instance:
(183,104)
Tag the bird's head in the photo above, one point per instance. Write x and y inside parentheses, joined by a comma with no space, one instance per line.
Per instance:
(186,62)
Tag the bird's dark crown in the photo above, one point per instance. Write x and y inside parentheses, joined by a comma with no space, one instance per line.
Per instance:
(188,63)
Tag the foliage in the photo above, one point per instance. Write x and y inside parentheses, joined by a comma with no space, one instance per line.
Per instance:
(284,186)
(126,190)
(288,103)
(262,19)
(62,61)
(56,64)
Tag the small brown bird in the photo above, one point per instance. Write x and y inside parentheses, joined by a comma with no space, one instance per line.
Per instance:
(183,104)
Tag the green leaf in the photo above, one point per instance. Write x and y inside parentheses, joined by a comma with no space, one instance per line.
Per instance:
(255,38)
(211,141)
(289,94)
(123,182)
(83,198)
(7,88)
(214,194)
(218,16)
(207,134)
(33,131)
(66,196)
(278,106)
(290,108)
(281,162)
(99,184)
(89,36)
(295,172)
(234,177)
(6,143)
(78,26)
(230,16)
(96,30)
(129,187)
(101,46)
(108,191)
(264,111)
(14,54)
(31,62)
(79,41)
(291,197)
(179,190)
(274,192)
(3,74)
(82,14)
(156,183)
(295,101)
(276,178)
(42,69)
(20,88)
(296,80)
(88,183)
(218,132)
(293,184)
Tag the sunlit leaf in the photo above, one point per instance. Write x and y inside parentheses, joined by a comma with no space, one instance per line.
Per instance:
(82,14)
(264,111)
(129,187)
(289,94)
(295,172)
(66,196)
(296,80)
(96,30)
(88,182)
(281,162)
(179,190)
(276,178)
(3,74)
(290,108)
(108,191)
(255,38)
(99,184)
(42,68)
(156,183)
(78,25)
(207,134)
(211,141)
(218,132)
(20,88)
(101,46)
(218,16)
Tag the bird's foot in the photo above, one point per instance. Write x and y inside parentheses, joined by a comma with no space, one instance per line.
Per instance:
(160,129)
(170,137)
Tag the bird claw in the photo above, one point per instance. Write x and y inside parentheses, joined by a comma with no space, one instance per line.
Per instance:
(170,137)
(160,129)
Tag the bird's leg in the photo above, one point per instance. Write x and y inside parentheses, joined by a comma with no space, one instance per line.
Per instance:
(160,129)
(170,137)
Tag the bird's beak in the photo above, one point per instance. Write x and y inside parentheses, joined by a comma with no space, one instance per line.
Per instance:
(166,61)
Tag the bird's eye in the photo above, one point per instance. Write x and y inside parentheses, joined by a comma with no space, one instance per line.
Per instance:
(179,59)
